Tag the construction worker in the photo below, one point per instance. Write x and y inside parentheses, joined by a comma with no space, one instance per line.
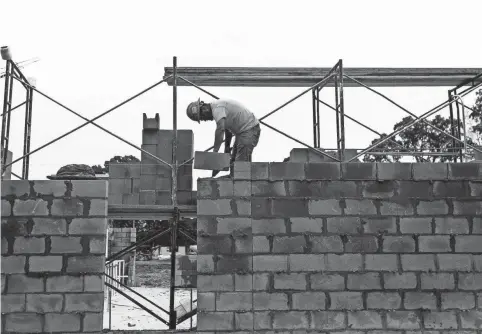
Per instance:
(232,119)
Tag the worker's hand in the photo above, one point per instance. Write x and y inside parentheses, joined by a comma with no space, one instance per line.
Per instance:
(215,172)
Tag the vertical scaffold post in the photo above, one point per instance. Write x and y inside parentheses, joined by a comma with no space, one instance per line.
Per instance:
(342,111)
(452,125)
(315,122)
(175,218)
(7,106)
(459,124)
(27,133)
(337,107)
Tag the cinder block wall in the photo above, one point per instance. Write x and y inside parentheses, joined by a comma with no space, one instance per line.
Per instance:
(53,247)
(341,248)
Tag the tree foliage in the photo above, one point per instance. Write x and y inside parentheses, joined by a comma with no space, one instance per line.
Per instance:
(98,169)
(475,118)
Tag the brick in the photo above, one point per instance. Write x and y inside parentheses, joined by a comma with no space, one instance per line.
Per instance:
(367,281)
(270,301)
(364,320)
(270,263)
(84,302)
(49,226)
(216,321)
(394,171)
(438,281)
(358,171)
(399,281)
(440,320)
(434,243)
(467,208)
(359,207)
(242,170)
(470,282)
(458,300)
(268,226)
(326,244)
(61,245)
(85,264)
(324,207)
(306,262)
(219,207)
(309,301)
(464,171)
(379,262)
(286,171)
(294,244)
(416,225)
(64,284)
(306,225)
(323,171)
(30,207)
(418,262)
(284,281)
(234,301)
(346,301)
(455,262)
(471,319)
(45,263)
(379,225)
(363,244)
(420,300)
(93,322)
(211,160)
(42,303)
(62,322)
(24,284)
(290,320)
(398,244)
(205,263)
(206,301)
(207,283)
(12,303)
(399,208)
(403,320)
(344,225)
(415,189)
(93,283)
(327,282)
(23,322)
(261,282)
(328,320)
(24,245)
(384,300)
(468,244)
(429,171)
(6,208)
(283,207)
(345,262)
(259,171)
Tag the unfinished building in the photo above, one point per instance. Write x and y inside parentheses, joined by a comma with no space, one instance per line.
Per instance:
(320,243)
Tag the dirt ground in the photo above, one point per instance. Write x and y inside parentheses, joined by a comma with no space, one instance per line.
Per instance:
(153,274)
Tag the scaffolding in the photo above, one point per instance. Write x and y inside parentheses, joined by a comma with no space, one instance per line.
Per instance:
(334,76)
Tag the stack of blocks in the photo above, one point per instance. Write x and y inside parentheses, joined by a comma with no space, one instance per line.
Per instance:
(122,237)
(359,248)
(156,177)
(53,256)
(124,183)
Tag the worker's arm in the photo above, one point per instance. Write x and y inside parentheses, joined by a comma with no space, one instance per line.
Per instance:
(227,141)
(219,134)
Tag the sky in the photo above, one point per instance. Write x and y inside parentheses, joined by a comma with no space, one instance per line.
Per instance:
(95,54)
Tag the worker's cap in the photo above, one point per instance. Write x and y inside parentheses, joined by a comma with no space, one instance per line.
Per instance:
(193,111)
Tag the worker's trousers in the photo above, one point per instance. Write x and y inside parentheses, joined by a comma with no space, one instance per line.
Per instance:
(244,145)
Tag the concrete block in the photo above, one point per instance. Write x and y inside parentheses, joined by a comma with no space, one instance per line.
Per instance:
(306,262)
(276,263)
(468,244)
(30,245)
(470,282)
(367,281)
(234,301)
(313,301)
(384,300)
(434,244)
(451,189)
(67,207)
(86,264)
(358,171)
(344,262)
(440,320)
(464,208)
(91,189)
(404,320)
(243,282)
(42,303)
(23,323)
(242,170)
(420,300)
(49,226)
(326,244)
(242,207)
(379,225)
(363,244)
(165,197)
(365,320)
(234,264)
(327,282)
(401,207)
(306,225)
(62,322)
(6,208)
(288,245)
(416,225)
(324,207)
(344,225)
(379,189)
(233,225)
(124,170)
(88,226)
(25,284)
(98,207)
(13,303)
(346,300)
(211,161)
(470,319)
(394,171)
(415,189)
(31,207)
(45,263)
(150,123)
(93,322)
(261,207)
(16,188)
(379,262)
(432,208)
(270,301)
(84,302)
(209,283)
(328,320)
(455,262)
(323,171)
(215,321)
(215,245)
(67,245)
(243,321)
(219,207)
(268,226)
(259,171)
(64,284)
(206,301)
(56,188)
(464,171)
(14,264)
(147,197)
(93,283)
(323,189)
(243,246)
(399,281)
(360,207)
(97,245)
(437,281)
(128,199)
(261,282)
(430,171)
(418,262)
(279,171)
(290,320)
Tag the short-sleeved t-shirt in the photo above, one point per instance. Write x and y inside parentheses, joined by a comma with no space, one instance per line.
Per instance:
(238,118)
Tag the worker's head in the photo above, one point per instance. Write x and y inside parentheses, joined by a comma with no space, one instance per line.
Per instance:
(199,111)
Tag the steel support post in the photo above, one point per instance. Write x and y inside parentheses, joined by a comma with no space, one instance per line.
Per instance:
(27,133)
(461,157)
(172,288)
(7,106)
(342,111)
(452,125)
(318,132)
(313,97)
(337,106)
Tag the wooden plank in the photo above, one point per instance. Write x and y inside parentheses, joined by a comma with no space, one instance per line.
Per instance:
(305,77)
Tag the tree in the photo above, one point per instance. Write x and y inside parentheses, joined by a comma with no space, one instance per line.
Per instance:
(475,118)
(98,169)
